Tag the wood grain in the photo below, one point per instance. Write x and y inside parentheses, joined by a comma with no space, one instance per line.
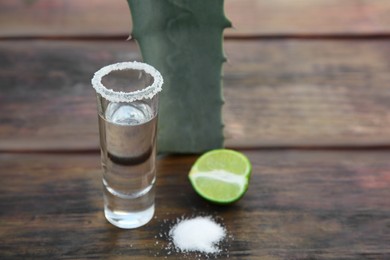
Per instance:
(300,205)
(278,93)
(308,17)
(250,17)
(47,98)
(307,93)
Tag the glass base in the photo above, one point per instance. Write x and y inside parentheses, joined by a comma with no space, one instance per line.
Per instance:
(129,220)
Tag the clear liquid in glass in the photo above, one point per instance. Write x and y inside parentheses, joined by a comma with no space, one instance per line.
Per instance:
(128,150)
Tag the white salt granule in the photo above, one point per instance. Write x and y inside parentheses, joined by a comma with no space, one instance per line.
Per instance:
(200,234)
(120,96)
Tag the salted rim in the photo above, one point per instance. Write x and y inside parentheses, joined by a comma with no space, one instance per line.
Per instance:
(121,96)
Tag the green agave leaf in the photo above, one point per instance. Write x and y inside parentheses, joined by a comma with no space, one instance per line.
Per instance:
(183,40)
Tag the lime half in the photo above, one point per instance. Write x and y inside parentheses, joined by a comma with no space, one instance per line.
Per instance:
(221,176)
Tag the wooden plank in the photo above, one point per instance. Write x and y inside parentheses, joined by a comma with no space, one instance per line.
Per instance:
(309,17)
(48,101)
(307,93)
(278,93)
(250,17)
(64,17)
(300,205)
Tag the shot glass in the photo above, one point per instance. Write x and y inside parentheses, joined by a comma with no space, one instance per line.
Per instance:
(127,102)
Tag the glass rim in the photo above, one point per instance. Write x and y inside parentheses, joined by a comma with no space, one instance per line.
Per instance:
(121,96)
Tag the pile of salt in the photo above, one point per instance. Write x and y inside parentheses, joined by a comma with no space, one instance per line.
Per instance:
(200,234)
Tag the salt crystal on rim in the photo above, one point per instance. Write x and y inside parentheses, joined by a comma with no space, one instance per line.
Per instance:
(120,96)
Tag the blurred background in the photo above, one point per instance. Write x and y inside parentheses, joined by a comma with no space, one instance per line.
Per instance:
(305,73)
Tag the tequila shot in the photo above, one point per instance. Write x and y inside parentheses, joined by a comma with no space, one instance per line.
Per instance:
(127,102)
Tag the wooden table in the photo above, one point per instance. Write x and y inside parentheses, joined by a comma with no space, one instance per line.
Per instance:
(307,100)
